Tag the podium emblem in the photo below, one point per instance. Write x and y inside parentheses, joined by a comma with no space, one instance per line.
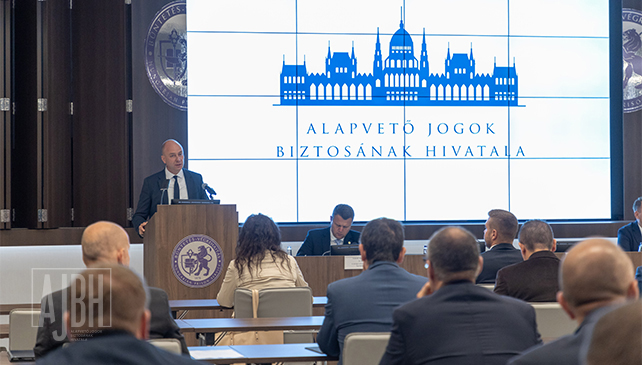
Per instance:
(197,261)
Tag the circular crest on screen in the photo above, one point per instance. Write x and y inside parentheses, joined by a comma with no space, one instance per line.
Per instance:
(197,261)
(632,60)
(166,54)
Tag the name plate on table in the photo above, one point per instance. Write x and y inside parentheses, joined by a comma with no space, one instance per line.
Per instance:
(352,263)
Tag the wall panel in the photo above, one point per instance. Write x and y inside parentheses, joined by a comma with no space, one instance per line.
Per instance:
(154,121)
(100,128)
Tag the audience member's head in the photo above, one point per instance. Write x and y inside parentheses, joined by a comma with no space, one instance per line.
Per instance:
(341,220)
(107,297)
(382,240)
(501,227)
(172,155)
(595,273)
(105,242)
(637,209)
(536,235)
(453,254)
(617,337)
(259,236)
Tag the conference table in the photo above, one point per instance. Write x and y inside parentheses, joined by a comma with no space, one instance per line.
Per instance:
(292,352)
(186,305)
(207,304)
(209,325)
(296,352)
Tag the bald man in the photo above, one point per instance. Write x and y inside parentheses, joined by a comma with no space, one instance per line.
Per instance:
(594,276)
(102,243)
(455,321)
(111,332)
(178,182)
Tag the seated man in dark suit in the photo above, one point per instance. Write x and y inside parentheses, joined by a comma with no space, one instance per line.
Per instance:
(102,242)
(318,241)
(156,190)
(107,320)
(629,237)
(457,322)
(594,275)
(501,229)
(535,279)
(617,337)
(365,303)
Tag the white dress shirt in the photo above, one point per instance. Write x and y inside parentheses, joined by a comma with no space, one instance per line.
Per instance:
(181,184)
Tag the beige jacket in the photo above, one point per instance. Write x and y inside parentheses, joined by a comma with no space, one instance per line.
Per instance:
(270,274)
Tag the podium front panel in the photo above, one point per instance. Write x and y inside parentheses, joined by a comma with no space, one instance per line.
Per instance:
(171,225)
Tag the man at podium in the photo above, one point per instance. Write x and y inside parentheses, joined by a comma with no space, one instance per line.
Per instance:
(173,182)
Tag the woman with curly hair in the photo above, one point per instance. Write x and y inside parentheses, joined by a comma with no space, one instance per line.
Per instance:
(260,262)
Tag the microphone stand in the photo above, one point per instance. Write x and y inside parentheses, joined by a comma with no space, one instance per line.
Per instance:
(164,190)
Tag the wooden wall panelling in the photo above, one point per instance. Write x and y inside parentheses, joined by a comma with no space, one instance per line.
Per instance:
(24,187)
(101,135)
(40,169)
(5,114)
(154,120)
(632,165)
(56,121)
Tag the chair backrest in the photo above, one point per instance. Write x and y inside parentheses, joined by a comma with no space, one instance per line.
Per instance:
(364,348)
(552,321)
(278,302)
(275,302)
(172,345)
(23,328)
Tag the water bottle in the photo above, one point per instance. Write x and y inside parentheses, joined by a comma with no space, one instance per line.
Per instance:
(290,250)
(425,256)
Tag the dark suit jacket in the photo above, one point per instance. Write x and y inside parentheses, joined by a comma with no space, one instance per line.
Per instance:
(52,335)
(629,237)
(565,350)
(534,280)
(461,323)
(497,257)
(364,303)
(150,195)
(317,242)
(114,347)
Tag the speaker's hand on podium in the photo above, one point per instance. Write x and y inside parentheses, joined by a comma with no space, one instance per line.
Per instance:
(141,229)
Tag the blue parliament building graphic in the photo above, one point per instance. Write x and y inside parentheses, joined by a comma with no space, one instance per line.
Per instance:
(399,80)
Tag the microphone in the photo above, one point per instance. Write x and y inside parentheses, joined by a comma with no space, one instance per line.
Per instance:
(164,190)
(208,189)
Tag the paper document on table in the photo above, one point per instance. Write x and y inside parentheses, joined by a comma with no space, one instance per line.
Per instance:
(214,353)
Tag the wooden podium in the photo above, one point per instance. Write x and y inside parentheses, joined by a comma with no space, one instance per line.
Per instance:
(170,226)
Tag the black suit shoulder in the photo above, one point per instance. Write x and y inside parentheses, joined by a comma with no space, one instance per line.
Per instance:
(629,237)
(162,325)
(496,258)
